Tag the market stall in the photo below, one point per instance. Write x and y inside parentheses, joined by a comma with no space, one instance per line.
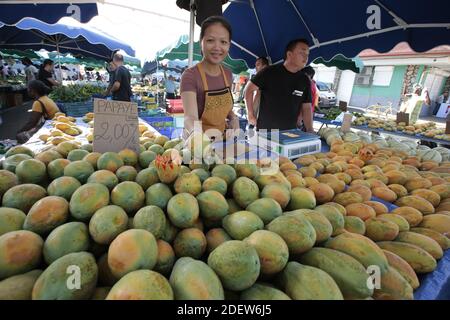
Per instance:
(285,215)
(425,131)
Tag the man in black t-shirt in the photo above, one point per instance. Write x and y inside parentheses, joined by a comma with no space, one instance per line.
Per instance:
(45,74)
(285,91)
(121,89)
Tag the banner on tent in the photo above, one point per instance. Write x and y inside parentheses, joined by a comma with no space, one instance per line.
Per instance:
(115,126)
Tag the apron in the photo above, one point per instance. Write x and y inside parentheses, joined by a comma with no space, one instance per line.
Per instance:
(218,104)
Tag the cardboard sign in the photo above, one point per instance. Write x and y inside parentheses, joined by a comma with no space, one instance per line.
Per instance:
(403,117)
(343,106)
(447,127)
(116,126)
(347,122)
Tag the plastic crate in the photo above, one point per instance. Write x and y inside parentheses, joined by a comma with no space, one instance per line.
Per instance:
(76,109)
(159,122)
(152,113)
(170,132)
(175,106)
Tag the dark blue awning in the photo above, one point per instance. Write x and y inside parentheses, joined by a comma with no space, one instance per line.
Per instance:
(12,13)
(65,36)
(264,27)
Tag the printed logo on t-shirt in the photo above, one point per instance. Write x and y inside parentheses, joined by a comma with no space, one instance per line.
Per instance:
(297,93)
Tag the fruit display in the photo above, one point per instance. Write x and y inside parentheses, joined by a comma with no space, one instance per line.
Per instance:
(428,129)
(438,154)
(159,225)
(64,128)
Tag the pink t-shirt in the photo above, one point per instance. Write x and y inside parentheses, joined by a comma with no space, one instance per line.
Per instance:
(191,81)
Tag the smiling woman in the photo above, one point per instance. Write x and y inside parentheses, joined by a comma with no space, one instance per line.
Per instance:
(206,88)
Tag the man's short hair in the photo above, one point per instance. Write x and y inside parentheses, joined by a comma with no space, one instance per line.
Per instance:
(118,57)
(264,60)
(292,44)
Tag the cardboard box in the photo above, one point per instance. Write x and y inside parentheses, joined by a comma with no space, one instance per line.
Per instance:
(343,106)
(402,117)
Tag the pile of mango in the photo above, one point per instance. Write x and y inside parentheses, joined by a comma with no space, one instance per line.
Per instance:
(308,229)
(427,129)
(64,129)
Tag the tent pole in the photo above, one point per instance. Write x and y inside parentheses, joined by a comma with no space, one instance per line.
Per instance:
(157,85)
(191,35)
(59,61)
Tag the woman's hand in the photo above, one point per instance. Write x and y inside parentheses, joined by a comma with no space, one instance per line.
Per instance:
(231,133)
(252,119)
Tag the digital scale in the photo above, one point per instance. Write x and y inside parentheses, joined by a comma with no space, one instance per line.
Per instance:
(288,143)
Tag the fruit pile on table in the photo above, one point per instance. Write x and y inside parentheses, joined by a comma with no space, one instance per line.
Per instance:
(149,226)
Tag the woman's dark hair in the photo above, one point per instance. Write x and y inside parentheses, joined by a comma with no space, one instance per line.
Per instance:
(46,63)
(26,61)
(264,60)
(215,20)
(39,87)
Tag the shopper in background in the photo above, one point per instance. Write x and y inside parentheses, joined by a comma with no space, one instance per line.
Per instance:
(260,64)
(121,87)
(45,74)
(43,109)
(31,71)
(206,87)
(1,66)
(98,77)
(285,91)
(309,72)
(170,87)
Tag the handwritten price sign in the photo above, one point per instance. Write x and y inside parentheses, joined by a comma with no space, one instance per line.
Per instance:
(115,126)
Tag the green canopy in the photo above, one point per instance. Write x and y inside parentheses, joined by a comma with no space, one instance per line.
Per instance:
(92,62)
(342,62)
(63,58)
(19,53)
(180,51)
(131,61)
(78,60)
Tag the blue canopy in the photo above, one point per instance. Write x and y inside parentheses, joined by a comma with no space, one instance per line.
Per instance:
(264,27)
(12,13)
(65,36)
